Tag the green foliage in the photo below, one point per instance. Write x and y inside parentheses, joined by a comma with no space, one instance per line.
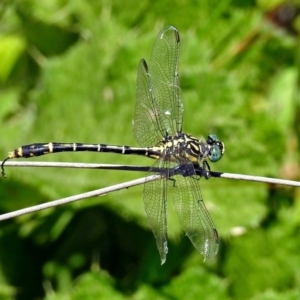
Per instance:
(67,73)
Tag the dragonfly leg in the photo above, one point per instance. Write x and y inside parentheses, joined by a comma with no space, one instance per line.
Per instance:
(205,170)
(174,181)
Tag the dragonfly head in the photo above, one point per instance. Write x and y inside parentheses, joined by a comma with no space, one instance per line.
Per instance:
(217,148)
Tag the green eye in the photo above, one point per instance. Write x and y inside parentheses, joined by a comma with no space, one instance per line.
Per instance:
(215,153)
(217,148)
(212,138)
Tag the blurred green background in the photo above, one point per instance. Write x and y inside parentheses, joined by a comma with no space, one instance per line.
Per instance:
(67,74)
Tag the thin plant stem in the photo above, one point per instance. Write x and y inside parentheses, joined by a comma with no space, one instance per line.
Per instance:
(146,169)
(77,197)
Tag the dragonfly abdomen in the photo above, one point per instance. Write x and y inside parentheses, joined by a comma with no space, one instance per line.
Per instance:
(39,149)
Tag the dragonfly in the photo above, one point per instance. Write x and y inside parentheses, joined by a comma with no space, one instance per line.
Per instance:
(180,157)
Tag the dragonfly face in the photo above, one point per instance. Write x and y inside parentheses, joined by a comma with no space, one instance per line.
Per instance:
(217,148)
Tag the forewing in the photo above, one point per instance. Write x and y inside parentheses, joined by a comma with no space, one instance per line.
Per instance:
(146,127)
(159,109)
(163,68)
(193,214)
(155,201)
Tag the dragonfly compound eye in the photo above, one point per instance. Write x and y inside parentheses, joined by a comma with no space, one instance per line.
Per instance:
(217,148)
(215,152)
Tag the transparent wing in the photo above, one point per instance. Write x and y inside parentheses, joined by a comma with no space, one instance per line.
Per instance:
(164,71)
(159,108)
(146,127)
(155,201)
(192,213)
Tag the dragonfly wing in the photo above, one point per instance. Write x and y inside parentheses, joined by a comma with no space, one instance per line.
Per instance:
(146,129)
(163,68)
(155,202)
(159,109)
(193,214)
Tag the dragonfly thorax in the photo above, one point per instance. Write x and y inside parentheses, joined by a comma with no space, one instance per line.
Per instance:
(184,147)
